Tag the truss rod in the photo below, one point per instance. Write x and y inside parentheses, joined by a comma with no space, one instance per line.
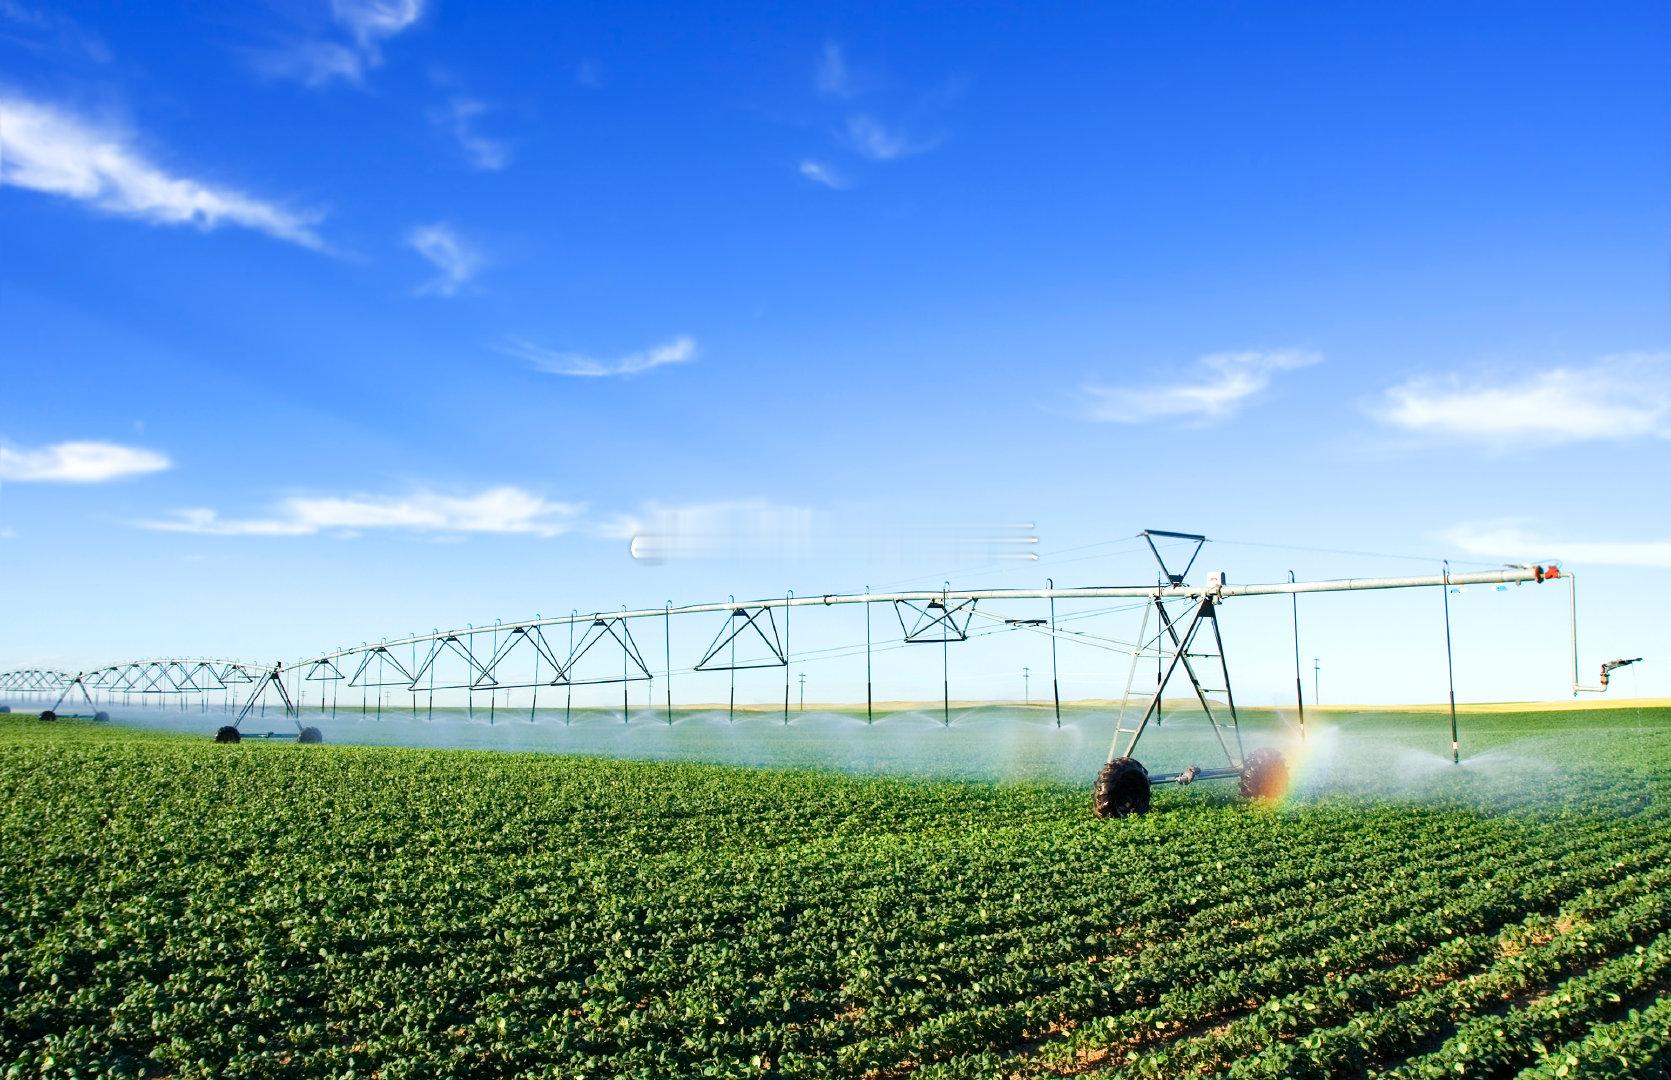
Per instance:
(1507,575)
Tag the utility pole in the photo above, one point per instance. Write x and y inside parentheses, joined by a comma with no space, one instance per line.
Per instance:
(1026,686)
(1316,681)
(803,691)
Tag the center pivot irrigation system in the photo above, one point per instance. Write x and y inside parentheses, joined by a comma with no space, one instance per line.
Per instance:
(587,650)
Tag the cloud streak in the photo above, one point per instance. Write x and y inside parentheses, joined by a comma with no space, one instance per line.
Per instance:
(861,132)
(820,173)
(679,350)
(78,463)
(319,63)
(875,140)
(458,119)
(503,510)
(1510,540)
(456,259)
(42,30)
(832,76)
(1224,383)
(45,149)
(1621,397)
(371,21)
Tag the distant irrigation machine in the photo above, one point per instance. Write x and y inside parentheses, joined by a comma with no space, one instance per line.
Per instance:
(1180,631)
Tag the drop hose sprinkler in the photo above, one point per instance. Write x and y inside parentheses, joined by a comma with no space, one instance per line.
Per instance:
(1608,667)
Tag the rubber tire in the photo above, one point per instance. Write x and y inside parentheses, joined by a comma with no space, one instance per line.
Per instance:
(1122,789)
(101,716)
(1264,774)
(310,735)
(5,708)
(48,716)
(228,734)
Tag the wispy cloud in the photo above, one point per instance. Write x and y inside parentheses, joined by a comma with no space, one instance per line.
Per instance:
(48,150)
(318,62)
(42,30)
(78,463)
(862,132)
(371,21)
(1627,396)
(496,510)
(458,119)
(1224,382)
(1510,540)
(680,350)
(871,138)
(832,75)
(314,64)
(456,259)
(820,173)
(202,521)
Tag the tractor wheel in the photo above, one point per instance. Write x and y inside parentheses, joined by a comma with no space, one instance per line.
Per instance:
(310,735)
(49,716)
(101,716)
(1122,788)
(228,733)
(1264,775)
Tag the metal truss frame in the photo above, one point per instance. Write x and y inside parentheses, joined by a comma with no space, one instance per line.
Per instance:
(936,620)
(451,643)
(520,635)
(610,626)
(730,630)
(274,678)
(383,656)
(322,671)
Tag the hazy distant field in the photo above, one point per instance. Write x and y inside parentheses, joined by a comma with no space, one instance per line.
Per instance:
(983,742)
(174,907)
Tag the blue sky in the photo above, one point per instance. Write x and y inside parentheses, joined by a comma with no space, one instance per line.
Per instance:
(332,320)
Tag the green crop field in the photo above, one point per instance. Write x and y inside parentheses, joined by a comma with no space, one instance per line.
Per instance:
(170,907)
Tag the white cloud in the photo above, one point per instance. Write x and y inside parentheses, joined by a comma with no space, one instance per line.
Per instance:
(458,119)
(205,522)
(833,78)
(1617,397)
(820,173)
(78,463)
(1509,540)
(457,260)
(318,63)
(497,510)
(875,140)
(47,150)
(677,351)
(370,21)
(1226,381)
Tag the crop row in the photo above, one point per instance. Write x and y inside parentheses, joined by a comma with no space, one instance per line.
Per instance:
(199,910)
(1359,936)
(1637,1046)
(1495,1043)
